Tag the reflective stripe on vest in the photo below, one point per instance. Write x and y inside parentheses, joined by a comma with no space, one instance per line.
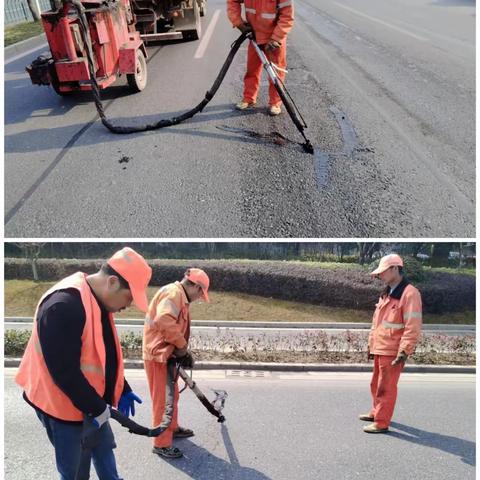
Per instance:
(84,367)
(250,10)
(395,326)
(409,315)
(91,368)
(38,347)
(269,16)
(168,306)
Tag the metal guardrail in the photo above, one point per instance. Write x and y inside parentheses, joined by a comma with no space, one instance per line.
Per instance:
(276,325)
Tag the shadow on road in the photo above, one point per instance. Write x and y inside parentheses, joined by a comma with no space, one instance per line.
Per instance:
(200,464)
(43,102)
(58,137)
(464,449)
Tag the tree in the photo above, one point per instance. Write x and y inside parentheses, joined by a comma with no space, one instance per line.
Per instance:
(31,251)
(415,248)
(441,253)
(35,9)
(366,250)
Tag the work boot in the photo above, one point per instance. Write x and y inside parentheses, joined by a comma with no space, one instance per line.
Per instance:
(366,417)
(373,428)
(181,432)
(243,105)
(168,452)
(275,110)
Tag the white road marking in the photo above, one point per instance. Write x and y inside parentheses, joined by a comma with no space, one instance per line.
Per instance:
(381,22)
(208,34)
(24,54)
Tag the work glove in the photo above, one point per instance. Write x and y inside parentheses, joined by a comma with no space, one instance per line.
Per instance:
(370,356)
(185,357)
(272,45)
(245,27)
(99,420)
(180,352)
(401,358)
(187,360)
(126,405)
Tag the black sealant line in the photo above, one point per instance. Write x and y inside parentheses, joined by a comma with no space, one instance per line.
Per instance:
(26,196)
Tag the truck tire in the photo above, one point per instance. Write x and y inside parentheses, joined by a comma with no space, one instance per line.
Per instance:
(138,81)
(55,82)
(203,8)
(195,33)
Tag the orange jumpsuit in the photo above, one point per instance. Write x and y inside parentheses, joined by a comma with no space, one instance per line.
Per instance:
(396,327)
(270,20)
(167,326)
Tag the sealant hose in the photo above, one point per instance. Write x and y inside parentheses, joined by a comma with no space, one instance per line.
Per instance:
(89,436)
(90,432)
(168,122)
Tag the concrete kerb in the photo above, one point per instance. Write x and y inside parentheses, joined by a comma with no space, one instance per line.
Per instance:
(25,46)
(11,362)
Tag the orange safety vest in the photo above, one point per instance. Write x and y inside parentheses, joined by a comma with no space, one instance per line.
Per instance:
(33,375)
(270,19)
(167,323)
(397,322)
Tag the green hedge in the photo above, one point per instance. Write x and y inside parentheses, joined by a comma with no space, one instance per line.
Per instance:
(343,287)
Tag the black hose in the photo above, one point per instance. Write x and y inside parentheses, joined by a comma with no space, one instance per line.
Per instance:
(283,92)
(90,430)
(168,122)
(200,395)
(164,122)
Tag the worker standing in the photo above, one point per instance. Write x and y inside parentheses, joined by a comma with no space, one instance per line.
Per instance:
(271,21)
(166,334)
(396,329)
(73,364)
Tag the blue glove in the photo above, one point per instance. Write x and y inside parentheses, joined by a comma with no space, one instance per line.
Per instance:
(127,403)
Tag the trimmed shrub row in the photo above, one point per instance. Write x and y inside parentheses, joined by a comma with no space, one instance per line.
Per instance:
(343,287)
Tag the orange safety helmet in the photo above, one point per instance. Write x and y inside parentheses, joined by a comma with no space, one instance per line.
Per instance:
(199,277)
(135,270)
(392,260)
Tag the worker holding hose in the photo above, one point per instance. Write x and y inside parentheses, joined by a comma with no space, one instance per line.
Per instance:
(396,328)
(270,21)
(72,368)
(166,334)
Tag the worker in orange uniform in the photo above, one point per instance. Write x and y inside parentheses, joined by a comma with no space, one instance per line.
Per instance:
(72,367)
(166,334)
(396,329)
(271,21)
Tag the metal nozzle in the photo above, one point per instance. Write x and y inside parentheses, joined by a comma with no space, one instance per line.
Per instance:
(308,147)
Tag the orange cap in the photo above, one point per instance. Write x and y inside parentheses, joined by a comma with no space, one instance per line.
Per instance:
(135,270)
(392,260)
(199,277)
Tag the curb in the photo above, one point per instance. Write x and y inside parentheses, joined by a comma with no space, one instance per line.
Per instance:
(294,367)
(24,46)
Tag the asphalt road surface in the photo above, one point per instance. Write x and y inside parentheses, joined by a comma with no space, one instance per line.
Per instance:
(387,89)
(282,426)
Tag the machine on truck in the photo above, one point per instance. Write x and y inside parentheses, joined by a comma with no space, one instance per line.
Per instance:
(117,32)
